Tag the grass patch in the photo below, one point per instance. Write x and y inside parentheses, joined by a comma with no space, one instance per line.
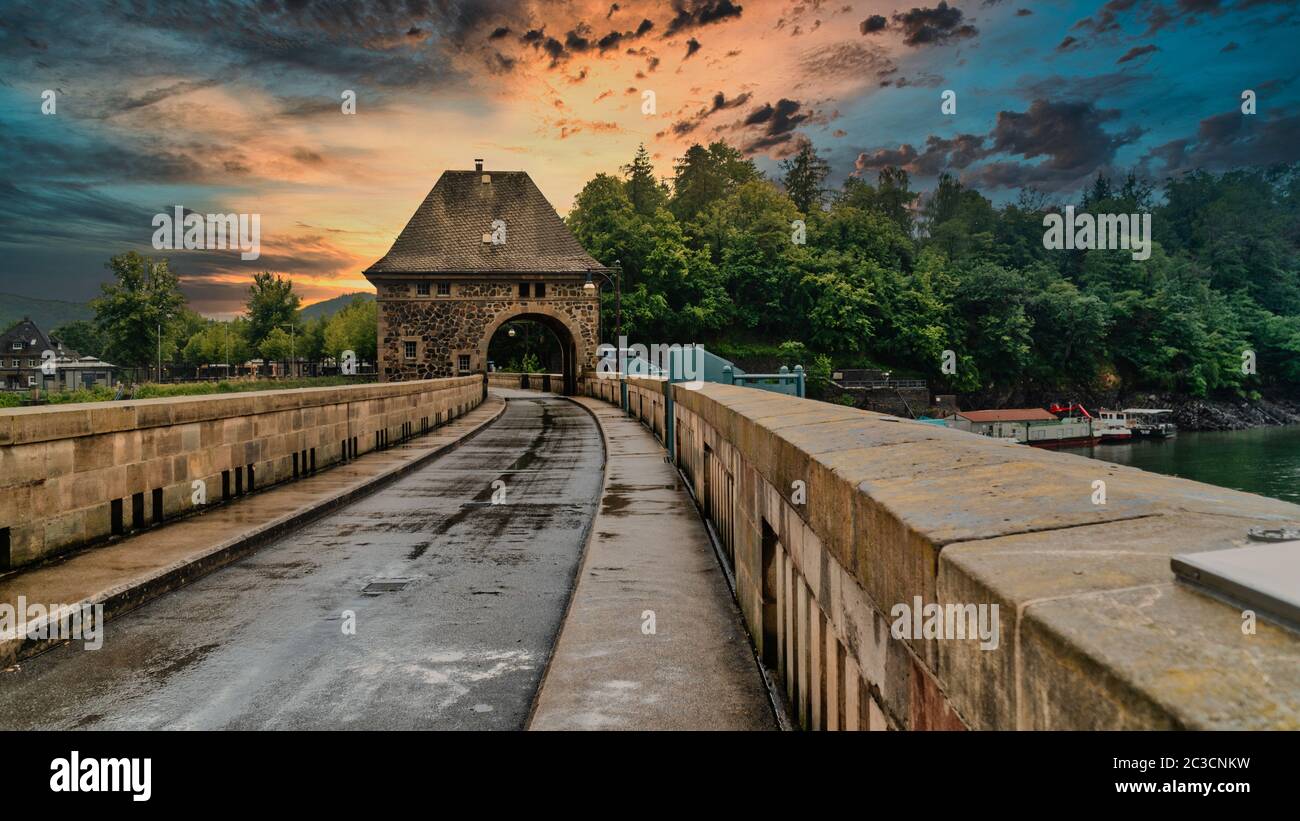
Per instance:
(149,390)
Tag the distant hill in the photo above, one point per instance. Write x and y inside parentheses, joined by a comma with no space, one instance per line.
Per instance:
(48,314)
(332,306)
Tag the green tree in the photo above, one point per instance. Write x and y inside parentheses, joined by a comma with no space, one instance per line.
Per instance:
(643,190)
(143,299)
(271,304)
(804,174)
(278,345)
(354,328)
(82,336)
(219,343)
(704,175)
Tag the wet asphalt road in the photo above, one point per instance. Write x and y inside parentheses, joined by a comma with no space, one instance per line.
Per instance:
(260,644)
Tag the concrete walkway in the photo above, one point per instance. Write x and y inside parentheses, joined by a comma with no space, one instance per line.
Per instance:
(141,567)
(649,554)
(423,606)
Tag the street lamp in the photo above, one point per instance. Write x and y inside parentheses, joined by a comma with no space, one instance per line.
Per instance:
(616,279)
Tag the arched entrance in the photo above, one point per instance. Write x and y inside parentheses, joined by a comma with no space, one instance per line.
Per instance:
(563,336)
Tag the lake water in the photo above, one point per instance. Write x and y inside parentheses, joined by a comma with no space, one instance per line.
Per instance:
(1261,460)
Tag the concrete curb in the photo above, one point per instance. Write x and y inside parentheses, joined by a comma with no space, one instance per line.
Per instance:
(127,597)
(582,561)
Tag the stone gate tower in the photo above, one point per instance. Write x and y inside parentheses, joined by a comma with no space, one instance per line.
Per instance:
(483,248)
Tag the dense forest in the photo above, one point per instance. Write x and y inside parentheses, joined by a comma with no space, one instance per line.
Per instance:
(889,277)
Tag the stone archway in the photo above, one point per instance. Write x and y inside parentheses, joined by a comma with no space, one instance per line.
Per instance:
(576,351)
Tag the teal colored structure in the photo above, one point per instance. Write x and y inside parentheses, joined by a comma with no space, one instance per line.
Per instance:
(791,384)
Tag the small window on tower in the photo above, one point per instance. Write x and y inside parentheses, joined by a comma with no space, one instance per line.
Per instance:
(523,290)
(463,363)
(410,350)
(422,289)
(444,289)
(540,290)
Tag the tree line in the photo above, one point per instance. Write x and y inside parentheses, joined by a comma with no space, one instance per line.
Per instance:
(142,314)
(875,274)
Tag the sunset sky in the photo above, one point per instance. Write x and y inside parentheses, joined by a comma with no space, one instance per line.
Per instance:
(236,107)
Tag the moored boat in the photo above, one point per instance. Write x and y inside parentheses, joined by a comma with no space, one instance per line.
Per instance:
(1155,423)
(1112,426)
(1030,426)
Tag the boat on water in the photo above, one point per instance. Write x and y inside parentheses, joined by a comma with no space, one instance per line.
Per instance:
(1113,426)
(1155,423)
(1030,426)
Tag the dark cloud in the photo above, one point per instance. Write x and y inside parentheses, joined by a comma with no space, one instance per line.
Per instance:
(539,40)
(616,38)
(1136,52)
(1107,17)
(926,26)
(1161,15)
(939,155)
(1069,135)
(1068,43)
(1231,140)
(873,24)
(689,14)
(899,157)
(306,156)
(1066,138)
(719,103)
(319,45)
(121,103)
(499,33)
(1023,13)
(692,46)
(578,39)
(776,123)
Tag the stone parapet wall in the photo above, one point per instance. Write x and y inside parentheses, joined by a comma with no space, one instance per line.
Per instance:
(526,381)
(72,475)
(832,517)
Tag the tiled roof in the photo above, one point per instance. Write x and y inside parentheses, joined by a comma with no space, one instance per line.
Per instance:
(25,331)
(1009,415)
(445,235)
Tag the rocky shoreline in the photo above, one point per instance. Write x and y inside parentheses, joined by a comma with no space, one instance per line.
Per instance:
(1223,414)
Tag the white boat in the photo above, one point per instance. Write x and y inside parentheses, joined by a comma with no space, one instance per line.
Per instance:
(1113,426)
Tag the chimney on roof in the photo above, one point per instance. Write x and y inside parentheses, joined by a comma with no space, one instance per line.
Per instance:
(478,165)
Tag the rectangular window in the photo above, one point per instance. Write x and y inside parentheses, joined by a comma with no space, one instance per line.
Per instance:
(422,289)
(410,349)
(540,290)
(523,290)
(17,345)
(444,289)
(32,363)
(463,363)
(31,381)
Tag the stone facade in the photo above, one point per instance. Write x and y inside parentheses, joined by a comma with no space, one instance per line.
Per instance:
(447,327)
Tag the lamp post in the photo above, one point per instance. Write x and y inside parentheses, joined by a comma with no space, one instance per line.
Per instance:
(616,279)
